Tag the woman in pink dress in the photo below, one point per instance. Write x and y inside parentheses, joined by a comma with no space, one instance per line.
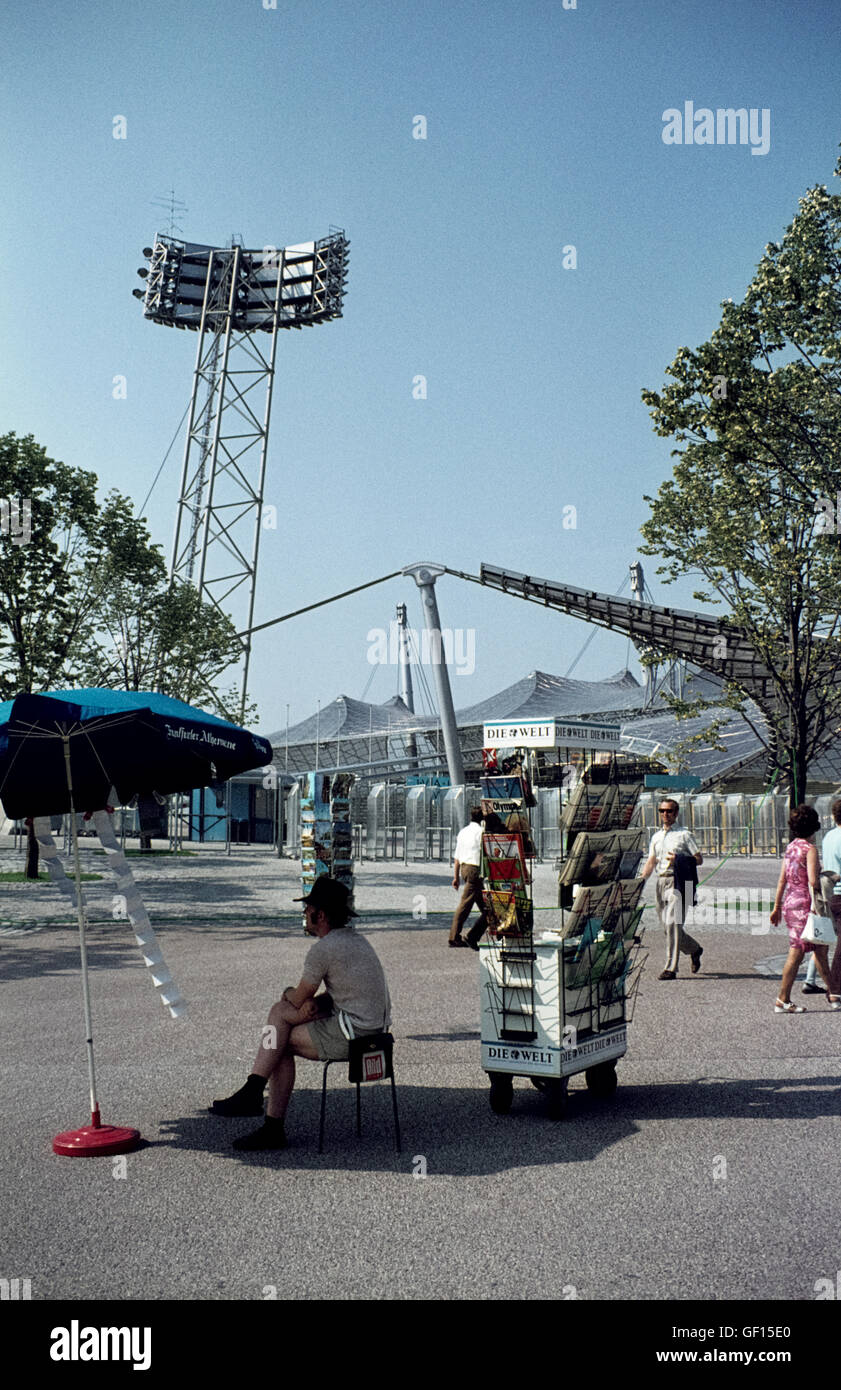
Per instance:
(799,879)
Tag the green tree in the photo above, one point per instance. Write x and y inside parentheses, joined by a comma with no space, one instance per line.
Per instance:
(44,566)
(752,507)
(84,597)
(152,636)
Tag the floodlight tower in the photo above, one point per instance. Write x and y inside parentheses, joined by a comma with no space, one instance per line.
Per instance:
(228,296)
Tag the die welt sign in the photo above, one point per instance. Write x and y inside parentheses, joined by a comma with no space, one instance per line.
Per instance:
(532,733)
(550,733)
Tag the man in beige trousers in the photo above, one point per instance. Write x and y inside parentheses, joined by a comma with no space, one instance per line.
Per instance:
(669,840)
(467,870)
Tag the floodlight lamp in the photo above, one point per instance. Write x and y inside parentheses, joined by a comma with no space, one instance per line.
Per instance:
(292,287)
(147,252)
(138,294)
(143,272)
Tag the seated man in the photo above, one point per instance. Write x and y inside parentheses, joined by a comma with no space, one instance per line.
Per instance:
(317,1027)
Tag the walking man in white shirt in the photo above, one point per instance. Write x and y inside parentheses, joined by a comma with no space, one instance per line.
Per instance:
(669,840)
(467,871)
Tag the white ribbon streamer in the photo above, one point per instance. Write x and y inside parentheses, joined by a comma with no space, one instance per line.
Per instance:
(137,915)
(43,834)
(135,907)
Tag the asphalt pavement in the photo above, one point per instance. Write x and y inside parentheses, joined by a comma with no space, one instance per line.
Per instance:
(711,1174)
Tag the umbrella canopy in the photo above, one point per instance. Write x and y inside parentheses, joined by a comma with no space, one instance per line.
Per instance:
(136,742)
(76,750)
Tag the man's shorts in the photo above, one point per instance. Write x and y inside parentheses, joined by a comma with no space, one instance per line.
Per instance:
(330,1041)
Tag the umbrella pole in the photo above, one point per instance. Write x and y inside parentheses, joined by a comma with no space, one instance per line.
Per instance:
(95,1138)
(95,1118)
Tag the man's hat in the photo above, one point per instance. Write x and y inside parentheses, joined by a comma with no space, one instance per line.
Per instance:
(330,895)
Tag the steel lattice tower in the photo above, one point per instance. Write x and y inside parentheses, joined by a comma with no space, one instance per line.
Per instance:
(230,296)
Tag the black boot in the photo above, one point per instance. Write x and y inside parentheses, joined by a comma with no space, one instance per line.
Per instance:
(248,1100)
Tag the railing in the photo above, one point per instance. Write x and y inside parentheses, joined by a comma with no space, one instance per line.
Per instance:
(439,840)
(392,843)
(395,834)
(743,836)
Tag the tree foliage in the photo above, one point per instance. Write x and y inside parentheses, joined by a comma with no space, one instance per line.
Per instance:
(752,507)
(154,637)
(84,597)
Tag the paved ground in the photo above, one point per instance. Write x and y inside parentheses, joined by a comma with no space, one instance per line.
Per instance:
(693,1182)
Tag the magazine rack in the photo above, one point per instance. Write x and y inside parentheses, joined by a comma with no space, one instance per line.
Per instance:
(601,921)
(507,846)
(559,1004)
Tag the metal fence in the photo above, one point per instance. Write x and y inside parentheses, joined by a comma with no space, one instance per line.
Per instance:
(733,824)
(420,824)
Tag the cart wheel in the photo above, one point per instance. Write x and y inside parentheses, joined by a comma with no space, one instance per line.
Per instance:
(601,1080)
(556,1094)
(502,1092)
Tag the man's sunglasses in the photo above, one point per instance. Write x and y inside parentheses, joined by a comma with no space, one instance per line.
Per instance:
(667,811)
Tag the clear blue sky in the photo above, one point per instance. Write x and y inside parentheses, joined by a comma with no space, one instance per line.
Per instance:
(543,130)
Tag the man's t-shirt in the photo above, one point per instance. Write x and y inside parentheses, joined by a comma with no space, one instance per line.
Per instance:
(666,842)
(468,848)
(353,975)
(831,854)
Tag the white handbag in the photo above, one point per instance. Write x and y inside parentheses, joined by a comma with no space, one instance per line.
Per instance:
(818,931)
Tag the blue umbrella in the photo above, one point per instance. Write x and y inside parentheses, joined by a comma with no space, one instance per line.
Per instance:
(80,749)
(136,742)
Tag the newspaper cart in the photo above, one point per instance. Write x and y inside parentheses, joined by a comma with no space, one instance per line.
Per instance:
(558,1002)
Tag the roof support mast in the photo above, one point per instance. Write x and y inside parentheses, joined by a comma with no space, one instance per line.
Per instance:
(407,694)
(425,576)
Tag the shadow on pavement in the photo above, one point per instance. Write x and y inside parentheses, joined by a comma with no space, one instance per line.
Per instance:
(111,944)
(456,1133)
(24,963)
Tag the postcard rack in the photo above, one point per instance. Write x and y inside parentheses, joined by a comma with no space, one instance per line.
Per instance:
(326,846)
(507,847)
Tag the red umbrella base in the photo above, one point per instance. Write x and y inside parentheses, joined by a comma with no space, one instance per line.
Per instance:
(96,1139)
